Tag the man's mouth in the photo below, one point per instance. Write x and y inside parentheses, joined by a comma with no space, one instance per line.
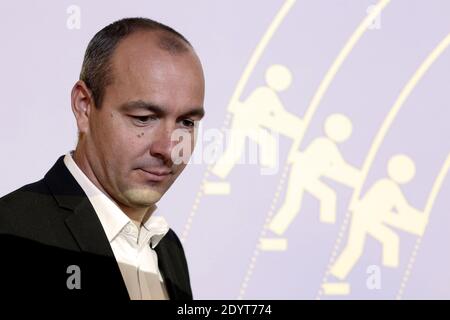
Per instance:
(156,175)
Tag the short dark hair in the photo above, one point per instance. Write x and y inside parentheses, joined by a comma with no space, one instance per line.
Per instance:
(96,69)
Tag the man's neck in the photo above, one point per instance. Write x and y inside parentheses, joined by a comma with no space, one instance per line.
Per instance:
(138,216)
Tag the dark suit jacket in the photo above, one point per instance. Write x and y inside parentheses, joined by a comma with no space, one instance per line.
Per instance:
(49,225)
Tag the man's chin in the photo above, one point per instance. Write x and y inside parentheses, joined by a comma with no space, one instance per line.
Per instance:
(142,197)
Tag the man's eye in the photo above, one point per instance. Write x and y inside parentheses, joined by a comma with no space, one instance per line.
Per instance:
(143,119)
(188,123)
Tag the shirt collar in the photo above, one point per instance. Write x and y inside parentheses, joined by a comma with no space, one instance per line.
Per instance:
(155,229)
(112,218)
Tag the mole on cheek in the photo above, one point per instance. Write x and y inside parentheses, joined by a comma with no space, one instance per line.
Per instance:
(140,135)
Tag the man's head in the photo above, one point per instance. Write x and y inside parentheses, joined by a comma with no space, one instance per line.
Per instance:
(140,82)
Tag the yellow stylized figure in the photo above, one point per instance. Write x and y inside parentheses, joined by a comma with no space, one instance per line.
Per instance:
(252,119)
(321,158)
(382,208)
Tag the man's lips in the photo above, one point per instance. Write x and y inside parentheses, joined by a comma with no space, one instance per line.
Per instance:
(155,174)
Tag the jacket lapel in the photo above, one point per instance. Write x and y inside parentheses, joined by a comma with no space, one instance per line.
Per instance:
(172,266)
(167,271)
(84,223)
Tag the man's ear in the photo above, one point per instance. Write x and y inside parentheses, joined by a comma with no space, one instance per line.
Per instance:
(82,104)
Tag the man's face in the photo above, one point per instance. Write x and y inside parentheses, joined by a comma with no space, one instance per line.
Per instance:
(129,142)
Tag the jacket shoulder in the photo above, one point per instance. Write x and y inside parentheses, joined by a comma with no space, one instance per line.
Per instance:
(23,195)
(27,205)
(31,187)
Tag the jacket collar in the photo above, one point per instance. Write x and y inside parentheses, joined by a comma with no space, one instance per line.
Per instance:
(83,223)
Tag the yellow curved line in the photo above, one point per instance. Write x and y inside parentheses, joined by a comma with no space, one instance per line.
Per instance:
(259,51)
(317,98)
(427,211)
(332,71)
(404,94)
(281,14)
(436,187)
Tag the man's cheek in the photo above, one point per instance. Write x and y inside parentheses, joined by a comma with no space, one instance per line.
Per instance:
(125,142)
(179,170)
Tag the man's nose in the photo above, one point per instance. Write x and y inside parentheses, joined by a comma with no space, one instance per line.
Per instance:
(162,144)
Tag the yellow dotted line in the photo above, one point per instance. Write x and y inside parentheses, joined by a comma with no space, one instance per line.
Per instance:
(200,193)
(408,269)
(256,252)
(428,208)
(335,251)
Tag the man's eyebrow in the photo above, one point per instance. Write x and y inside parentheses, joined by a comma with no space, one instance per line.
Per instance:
(196,112)
(159,110)
(142,105)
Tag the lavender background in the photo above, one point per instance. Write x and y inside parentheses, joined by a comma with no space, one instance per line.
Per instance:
(41,60)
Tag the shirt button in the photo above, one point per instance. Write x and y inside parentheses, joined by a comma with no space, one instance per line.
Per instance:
(127,229)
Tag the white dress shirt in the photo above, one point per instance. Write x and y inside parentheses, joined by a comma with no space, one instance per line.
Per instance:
(133,248)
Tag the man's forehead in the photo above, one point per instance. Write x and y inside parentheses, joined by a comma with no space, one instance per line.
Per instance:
(155,43)
(142,70)
(140,52)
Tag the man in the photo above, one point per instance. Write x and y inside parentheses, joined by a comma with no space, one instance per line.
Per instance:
(88,227)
